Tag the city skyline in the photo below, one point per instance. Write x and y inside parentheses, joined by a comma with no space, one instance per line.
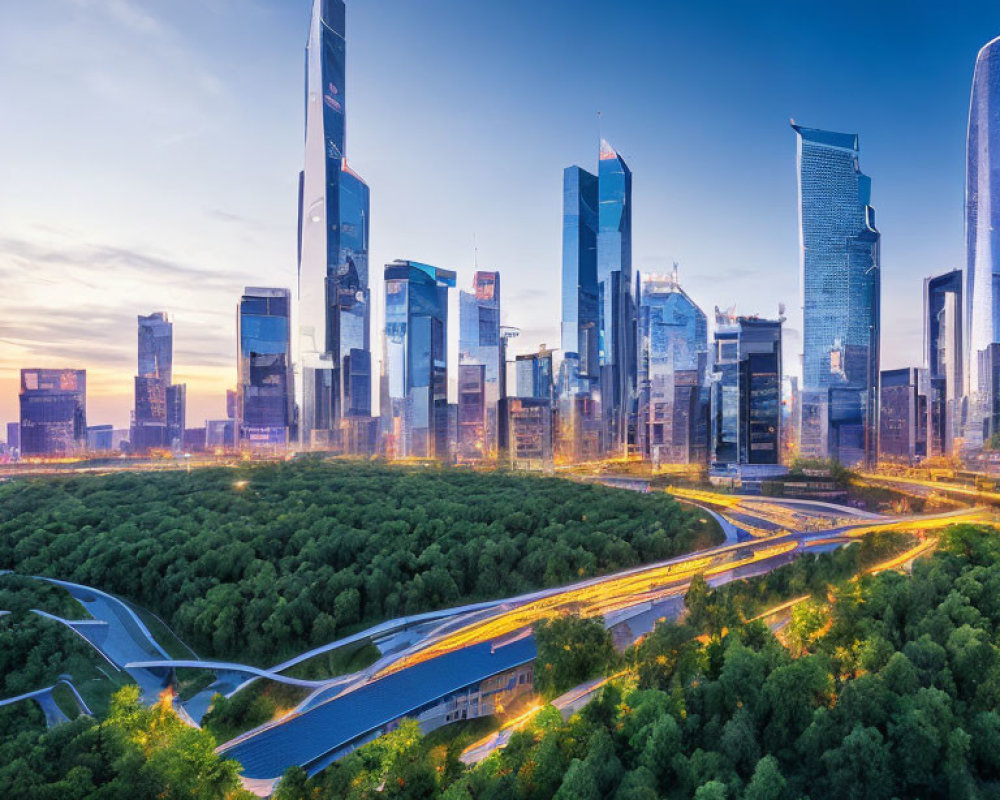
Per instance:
(52,272)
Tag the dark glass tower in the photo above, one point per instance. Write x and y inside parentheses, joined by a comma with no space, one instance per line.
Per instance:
(839,254)
(416,360)
(943,354)
(265,406)
(159,405)
(333,289)
(579,270)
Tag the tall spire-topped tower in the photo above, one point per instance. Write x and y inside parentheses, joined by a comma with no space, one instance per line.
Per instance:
(333,291)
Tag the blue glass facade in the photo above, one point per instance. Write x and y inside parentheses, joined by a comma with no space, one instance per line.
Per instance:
(415,407)
(53,405)
(265,406)
(479,344)
(672,371)
(533,373)
(579,269)
(158,420)
(333,292)
(944,332)
(839,255)
(982,233)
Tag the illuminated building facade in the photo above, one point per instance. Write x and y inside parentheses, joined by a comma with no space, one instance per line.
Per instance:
(839,260)
(529,422)
(982,223)
(415,408)
(746,390)
(903,415)
(945,361)
(479,344)
(533,374)
(265,397)
(158,419)
(333,289)
(53,405)
(672,424)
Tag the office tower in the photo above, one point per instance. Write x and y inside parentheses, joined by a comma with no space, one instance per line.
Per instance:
(944,359)
(579,269)
(982,220)
(533,374)
(529,422)
(839,255)
(616,302)
(416,360)
(672,371)
(13,435)
(479,344)
(333,289)
(220,435)
(53,411)
(746,390)
(158,417)
(903,415)
(265,397)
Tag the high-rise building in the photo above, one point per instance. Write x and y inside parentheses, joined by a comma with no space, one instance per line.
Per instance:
(982,220)
(598,301)
(415,410)
(839,259)
(944,359)
(529,422)
(13,435)
(533,374)
(903,415)
(265,397)
(479,344)
(616,301)
(746,390)
(53,411)
(673,368)
(158,418)
(333,288)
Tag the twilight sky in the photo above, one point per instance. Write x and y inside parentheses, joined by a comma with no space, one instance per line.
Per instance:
(150,153)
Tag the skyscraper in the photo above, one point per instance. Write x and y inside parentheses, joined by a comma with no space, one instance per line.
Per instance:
(746,390)
(415,409)
(533,372)
(616,302)
(333,289)
(265,398)
(944,359)
(53,411)
(479,345)
(579,269)
(903,415)
(839,259)
(982,224)
(673,360)
(158,420)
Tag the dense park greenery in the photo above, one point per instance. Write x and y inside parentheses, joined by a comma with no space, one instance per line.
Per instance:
(261,562)
(898,697)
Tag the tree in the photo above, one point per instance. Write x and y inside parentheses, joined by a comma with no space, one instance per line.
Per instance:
(571,650)
(767,782)
(579,783)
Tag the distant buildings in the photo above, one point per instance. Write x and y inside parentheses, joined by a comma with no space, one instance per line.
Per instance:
(334,308)
(672,372)
(903,415)
(944,358)
(415,408)
(982,220)
(841,295)
(533,373)
(265,397)
(746,391)
(529,423)
(53,412)
(160,405)
(480,368)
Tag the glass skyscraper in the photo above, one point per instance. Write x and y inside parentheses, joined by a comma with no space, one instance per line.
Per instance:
(265,399)
(479,345)
(615,300)
(53,411)
(579,269)
(673,368)
(944,358)
(839,259)
(982,233)
(533,374)
(333,289)
(158,420)
(415,408)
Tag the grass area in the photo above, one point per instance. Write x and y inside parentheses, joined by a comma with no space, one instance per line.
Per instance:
(192,681)
(160,631)
(259,702)
(64,698)
(460,734)
(342,661)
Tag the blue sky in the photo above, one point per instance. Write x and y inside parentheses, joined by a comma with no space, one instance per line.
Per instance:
(151,151)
